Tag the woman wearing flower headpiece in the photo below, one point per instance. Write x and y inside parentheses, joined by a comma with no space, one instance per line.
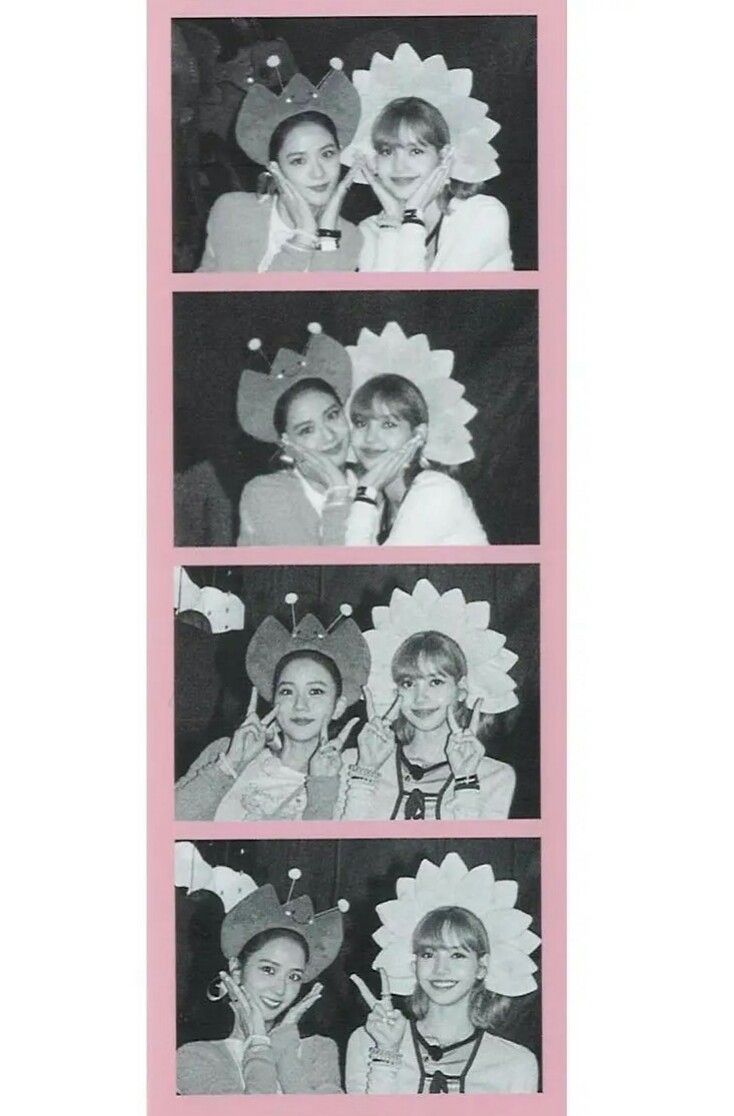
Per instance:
(454,943)
(438,677)
(423,145)
(273,951)
(283,765)
(409,431)
(294,222)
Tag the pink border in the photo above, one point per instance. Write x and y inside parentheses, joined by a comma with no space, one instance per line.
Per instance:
(162,830)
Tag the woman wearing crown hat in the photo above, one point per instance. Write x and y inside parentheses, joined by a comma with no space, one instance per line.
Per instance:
(454,943)
(423,145)
(273,950)
(438,677)
(404,400)
(294,224)
(298,405)
(284,765)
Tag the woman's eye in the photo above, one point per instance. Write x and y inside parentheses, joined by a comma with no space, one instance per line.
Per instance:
(296,162)
(383,150)
(406,684)
(427,954)
(267,969)
(316,691)
(437,682)
(296,978)
(358,423)
(388,424)
(285,691)
(334,415)
(329,154)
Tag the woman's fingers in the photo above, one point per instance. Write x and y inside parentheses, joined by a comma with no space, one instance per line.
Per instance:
(269,717)
(385,997)
(364,991)
(475,716)
(453,724)
(392,711)
(343,735)
(369,702)
(252,704)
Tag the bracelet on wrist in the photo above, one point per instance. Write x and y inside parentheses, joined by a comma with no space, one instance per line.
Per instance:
(413,217)
(467,782)
(358,773)
(366,494)
(255,1041)
(330,234)
(385,1056)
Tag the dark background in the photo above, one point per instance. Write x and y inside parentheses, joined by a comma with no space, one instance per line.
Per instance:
(212,689)
(494,338)
(209,63)
(365,873)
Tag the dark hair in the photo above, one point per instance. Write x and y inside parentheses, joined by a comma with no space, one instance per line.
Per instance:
(316,656)
(428,126)
(271,935)
(435,929)
(311,383)
(284,129)
(396,392)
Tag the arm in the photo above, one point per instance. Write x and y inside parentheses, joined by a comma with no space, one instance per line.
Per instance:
(492,801)
(476,237)
(344,258)
(362,524)
(252,514)
(306,1065)
(334,517)
(523,1074)
(359,793)
(434,508)
(322,792)
(366,1074)
(199,792)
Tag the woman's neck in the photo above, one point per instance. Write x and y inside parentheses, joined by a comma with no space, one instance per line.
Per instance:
(296,754)
(446,1023)
(428,746)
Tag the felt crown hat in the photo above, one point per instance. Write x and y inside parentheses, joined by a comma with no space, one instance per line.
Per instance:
(322,359)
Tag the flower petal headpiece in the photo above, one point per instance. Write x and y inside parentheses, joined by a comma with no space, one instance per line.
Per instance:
(449,441)
(322,359)
(427,610)
(251,909)
(451,884)
(262,110)
(225,612)
(405,75)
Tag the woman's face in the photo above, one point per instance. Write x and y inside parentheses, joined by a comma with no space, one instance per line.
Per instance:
(307,700)
(309,159)
(425,700)
(405,163)
(315,420)
(448,972)
(380,432)
(273,975)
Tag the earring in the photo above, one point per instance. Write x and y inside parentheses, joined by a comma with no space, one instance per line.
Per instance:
(215,990)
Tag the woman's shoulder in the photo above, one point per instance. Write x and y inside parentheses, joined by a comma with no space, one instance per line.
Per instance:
(270,484)
(318,1046)
(238,204)
(438,482)
(477,205)
(502,1050)
(204,1067)
(495,769)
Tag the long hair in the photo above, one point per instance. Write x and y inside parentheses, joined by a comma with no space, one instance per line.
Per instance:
(429,127)
(450,925)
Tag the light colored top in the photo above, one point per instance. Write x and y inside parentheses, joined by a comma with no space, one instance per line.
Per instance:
(474,236)
(245,233)
(436,511)
(282,509)
(500,1066)
(383,798)
(289,1065)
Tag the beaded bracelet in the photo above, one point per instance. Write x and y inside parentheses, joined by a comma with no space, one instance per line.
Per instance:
(360,774)
(467,782)
(385,1056)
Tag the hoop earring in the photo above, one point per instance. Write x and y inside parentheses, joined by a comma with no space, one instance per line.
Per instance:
(215,991)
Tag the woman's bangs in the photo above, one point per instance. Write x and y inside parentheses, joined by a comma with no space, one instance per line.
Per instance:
(445,928)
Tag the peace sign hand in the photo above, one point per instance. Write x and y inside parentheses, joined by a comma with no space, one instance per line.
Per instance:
(293,1016)
(376,741)
(464,750)
(385,1024)
(327,759)
(247,1013)
(252,736)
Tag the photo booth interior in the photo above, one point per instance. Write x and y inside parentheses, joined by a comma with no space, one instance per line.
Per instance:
(212,688)
(364,873)
(492,334)
(213,59)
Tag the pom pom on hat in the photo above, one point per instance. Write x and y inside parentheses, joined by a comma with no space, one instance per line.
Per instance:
(254,344)
(294,873)
(346,609)
(336,63)
(343,905)
(314,327)
(272,61)
(291,598)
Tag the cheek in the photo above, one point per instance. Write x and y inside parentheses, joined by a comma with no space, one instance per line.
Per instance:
(291,992)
